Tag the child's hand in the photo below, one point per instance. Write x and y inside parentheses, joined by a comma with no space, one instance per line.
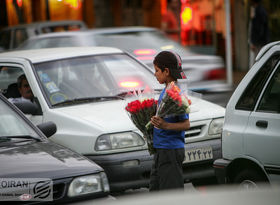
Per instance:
(158,122)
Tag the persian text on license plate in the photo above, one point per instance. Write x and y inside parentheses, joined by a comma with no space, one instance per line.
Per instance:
(198,154)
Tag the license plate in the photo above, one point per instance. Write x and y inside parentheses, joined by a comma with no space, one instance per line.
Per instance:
(198,154)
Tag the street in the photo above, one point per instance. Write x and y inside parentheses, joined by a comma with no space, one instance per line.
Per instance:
(116,196)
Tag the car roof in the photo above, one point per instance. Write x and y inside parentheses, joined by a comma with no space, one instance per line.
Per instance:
(41,24)
(47,54)
(122,29)
(266,48)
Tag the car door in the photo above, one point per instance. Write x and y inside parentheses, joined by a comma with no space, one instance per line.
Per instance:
(261,137)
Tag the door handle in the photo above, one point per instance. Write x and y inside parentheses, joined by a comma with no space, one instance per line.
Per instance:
(262,123)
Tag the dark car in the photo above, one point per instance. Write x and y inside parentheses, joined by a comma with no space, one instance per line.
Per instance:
(205,73)
(12,36)
(36,170)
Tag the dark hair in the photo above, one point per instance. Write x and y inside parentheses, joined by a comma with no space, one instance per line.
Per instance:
(20,79)
(172,61)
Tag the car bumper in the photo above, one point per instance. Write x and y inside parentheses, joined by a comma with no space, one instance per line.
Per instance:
(129,170)
(200,170)
(220,167)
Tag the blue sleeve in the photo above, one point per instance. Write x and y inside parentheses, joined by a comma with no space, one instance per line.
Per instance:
(183,117)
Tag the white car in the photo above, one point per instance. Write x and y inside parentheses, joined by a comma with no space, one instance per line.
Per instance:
(81,90)
(251,139)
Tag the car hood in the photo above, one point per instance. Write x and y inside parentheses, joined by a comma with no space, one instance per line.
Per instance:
(107,116)
(110,116)
(45,159)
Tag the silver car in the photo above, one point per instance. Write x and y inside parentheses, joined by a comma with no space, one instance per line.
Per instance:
(250,137)
(205,73)
(11,37)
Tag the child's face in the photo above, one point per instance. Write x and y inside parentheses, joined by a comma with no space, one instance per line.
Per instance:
(161,76)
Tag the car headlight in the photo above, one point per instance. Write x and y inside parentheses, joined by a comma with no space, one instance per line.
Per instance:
(216,126)
(88,184)
(118,141)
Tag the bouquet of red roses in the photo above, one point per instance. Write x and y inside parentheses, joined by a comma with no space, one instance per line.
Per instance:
(140,112)
(173,102)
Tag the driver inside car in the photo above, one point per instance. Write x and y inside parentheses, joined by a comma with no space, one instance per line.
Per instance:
(24,90)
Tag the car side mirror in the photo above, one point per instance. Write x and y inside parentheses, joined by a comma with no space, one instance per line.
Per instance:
(27,107)
(48,128)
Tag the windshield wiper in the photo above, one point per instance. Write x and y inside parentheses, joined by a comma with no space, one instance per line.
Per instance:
(85,100)
(9,138)
(122,95)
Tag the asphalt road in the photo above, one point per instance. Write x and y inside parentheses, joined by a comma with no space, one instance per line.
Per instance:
(188,188)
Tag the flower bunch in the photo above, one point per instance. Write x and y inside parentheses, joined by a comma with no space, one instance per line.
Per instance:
(173,102)
(140,112)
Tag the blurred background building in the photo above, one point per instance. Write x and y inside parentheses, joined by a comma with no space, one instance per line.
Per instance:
(202,22)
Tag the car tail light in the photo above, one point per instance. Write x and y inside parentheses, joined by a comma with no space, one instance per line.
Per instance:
(129,84)
(144,52)
(217,74)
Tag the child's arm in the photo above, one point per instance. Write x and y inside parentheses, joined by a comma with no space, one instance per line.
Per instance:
(178,126)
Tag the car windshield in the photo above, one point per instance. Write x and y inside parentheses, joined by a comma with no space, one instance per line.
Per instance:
(140,43)
(13,126)
(94,78)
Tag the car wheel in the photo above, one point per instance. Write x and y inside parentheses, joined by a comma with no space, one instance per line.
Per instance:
(249,179)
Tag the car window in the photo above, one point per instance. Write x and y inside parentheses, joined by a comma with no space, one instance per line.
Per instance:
(5,39)
(270,102)
(93,76)
(8,75)
(251,94)
(20,36)
(61,28)
(11,124)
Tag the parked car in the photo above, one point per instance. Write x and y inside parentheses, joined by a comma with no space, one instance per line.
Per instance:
(11,37)
(206,73)
(250,138)
(81,90)
(27,156)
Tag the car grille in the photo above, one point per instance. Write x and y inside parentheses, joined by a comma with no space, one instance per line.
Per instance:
(59,190)
(193,131)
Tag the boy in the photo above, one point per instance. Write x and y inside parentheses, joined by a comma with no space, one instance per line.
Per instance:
(169,135)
